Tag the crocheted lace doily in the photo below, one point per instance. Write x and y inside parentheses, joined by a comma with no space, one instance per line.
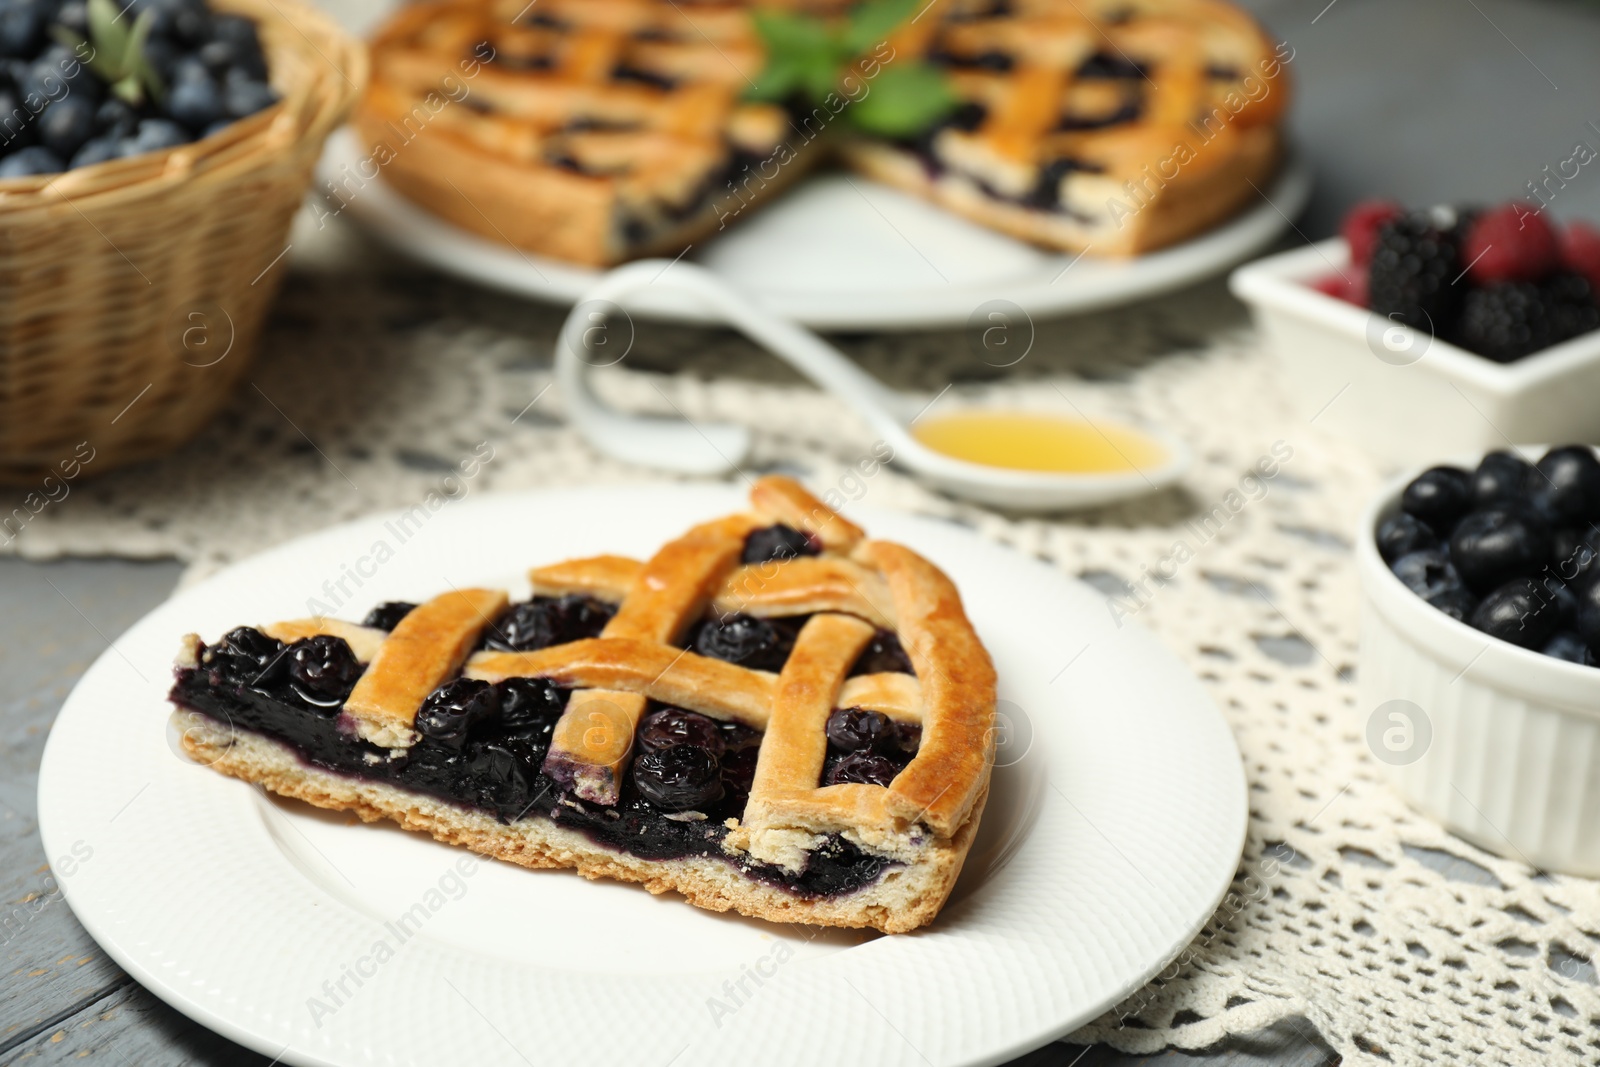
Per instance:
(375,380)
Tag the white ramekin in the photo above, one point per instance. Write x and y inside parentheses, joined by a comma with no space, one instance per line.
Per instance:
(1402,395)
(1498,743)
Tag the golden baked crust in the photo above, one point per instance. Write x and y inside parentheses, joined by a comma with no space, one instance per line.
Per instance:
(904,899)
(850,586)
(601,130)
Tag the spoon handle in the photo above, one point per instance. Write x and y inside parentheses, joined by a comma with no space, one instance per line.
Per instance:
(663,443)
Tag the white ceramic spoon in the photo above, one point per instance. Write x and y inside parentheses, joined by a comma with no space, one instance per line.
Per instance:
(590,339)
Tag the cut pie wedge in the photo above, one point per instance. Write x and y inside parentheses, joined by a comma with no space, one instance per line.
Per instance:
(773,715)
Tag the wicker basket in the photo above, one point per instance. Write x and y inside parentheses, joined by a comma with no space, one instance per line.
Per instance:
(132,292)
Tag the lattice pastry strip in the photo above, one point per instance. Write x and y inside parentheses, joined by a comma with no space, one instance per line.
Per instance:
(906,834)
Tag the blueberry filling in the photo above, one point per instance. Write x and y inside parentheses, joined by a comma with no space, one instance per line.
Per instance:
(759,644)
(667,728)
(387,616)
(545,621)
(997,62)
(622,72)
(681,778)
(778,542)
(482,747)
(1106,65)
(883,655)
(868,747)
(1046,192)
(1128,112)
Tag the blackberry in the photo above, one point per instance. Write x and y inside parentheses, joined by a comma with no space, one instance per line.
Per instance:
(1507,321)
(1573,305)
(1413,264)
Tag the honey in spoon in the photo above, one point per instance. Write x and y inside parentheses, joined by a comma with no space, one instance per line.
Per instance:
(1029,441)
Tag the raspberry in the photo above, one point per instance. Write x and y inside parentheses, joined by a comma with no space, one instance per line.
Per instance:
(1413,265)
(1580,251)
(1360,228)
(1352,290)
(1511,243)
(1507,321)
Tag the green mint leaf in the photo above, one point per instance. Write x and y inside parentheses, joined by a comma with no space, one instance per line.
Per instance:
(779,79)
(904,100)
(787,34)
(110,36)
(133,52)
(874,21)
(821,78)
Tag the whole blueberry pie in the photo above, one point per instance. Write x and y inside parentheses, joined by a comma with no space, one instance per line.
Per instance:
(773,715)
(602,130)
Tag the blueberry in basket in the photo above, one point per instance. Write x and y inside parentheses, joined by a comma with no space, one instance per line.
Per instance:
(88,81)
(1510,548)
(1503,282)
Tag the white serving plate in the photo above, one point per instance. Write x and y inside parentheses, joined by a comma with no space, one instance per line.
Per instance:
(1114,827)
(840,252)
(1403,395)
(1500,744)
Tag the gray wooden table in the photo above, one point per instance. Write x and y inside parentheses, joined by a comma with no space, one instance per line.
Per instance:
(1426,100)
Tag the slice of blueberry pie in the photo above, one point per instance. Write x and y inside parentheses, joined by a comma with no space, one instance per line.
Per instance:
(772,715)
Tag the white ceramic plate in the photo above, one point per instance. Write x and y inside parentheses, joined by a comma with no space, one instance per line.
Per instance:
(841,252)
(1111,834)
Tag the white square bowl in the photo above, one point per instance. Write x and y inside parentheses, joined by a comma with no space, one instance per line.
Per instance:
(1405,396)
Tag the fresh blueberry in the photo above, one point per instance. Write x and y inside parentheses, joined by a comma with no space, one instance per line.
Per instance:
(22,29)
(66,125)
(1501,477)
(746,640)
(218,55)
(31,161)
(1402,535)
(114,118)
(1426,572)
(867,768)
(162,55)
(387,616)
(1456,601)
(58,72)
(883,655)
(189,68)
(1566,487)
(669,727)
(778,543)
(1438,497)
(154,135)
(322,670)
(74,16)
(680,778)
(184,21)
(1518,612)
(247,97)
(545,621)
(97,150)
(529,703)
(1568,646)
(450,711)
(1489,548)
(1575,552)
(1586,617)
(240,35)
(16,126)
(196,103)
(862,730)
